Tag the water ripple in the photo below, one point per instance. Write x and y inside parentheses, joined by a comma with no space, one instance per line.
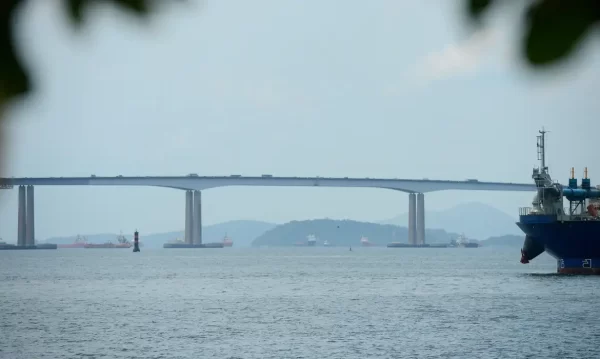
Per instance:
(293,303)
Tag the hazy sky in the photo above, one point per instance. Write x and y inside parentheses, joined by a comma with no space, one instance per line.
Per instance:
(368,89)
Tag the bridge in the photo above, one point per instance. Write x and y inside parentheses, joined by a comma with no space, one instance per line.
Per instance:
(193,184)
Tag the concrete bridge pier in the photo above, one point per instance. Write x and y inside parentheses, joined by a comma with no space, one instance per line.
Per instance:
(412,218)
(21,231)
(420,218)
(197,230)
(30,221)
(189,216)
(26,217)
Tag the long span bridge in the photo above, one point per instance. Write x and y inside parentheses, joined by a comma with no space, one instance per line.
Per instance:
(193,184)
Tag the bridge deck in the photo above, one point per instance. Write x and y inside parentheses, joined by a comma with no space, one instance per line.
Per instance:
(206,182)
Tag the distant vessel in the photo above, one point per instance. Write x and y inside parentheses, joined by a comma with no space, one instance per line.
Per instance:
(464,242)
(80,242)
(4,245)
(311,240)
(326,243)
(178,243)
(407,245)
(46,246)
(227,242)
(364,241)
(122,243)
(8,246)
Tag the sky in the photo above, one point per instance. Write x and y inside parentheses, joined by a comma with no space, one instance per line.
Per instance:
(379,89)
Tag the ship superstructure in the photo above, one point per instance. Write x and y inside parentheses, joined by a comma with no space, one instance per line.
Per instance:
(364,241)
(227,242)
(463,241)
(571,234)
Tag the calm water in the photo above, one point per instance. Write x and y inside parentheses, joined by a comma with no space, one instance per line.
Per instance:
(293,303)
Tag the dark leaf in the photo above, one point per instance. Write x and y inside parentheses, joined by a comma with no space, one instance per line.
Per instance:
(556,27)
(477,7)
(75,10)
(13,77)
(140,7)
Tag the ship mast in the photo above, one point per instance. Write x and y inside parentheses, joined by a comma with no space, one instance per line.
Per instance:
(542,150)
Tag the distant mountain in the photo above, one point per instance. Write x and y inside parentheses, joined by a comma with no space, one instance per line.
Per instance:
(242,233)
(476,220)
(343,233)
(504,241)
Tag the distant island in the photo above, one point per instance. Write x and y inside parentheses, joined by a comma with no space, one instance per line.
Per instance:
(343,233)
(348,233)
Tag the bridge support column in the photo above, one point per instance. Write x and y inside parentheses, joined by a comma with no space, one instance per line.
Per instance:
(189,217)
(21,231)
(30,221)
(420,218)
(412,218)
(197,235)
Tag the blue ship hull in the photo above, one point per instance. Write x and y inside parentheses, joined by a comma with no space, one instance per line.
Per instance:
(574,244)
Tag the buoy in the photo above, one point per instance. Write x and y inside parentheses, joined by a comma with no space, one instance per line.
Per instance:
(136,243)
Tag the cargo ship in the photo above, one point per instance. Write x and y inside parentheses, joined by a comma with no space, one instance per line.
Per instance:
(79,242)
(178,243)
(122,242)
(571,235)
(407,245)
(46,246)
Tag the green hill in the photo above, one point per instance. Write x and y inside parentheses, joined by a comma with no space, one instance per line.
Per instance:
(342,233)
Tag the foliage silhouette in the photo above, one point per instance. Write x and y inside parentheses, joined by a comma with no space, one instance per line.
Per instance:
(553,28)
